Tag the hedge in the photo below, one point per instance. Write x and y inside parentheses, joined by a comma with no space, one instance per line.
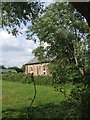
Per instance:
(21,77)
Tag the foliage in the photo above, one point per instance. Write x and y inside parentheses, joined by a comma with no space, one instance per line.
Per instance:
(62,72)
(23,68)
(68,37)
(65,31)
(79,96)
(39,52)
(17,14)
(20,77)
(16,68)
(2,67)
(43,80)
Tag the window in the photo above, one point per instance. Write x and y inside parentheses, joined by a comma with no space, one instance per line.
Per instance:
(37,70)
(44,70)
(44,73)
(31,70)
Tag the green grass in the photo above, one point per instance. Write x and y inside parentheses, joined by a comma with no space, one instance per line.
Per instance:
(0,98)
(17,98)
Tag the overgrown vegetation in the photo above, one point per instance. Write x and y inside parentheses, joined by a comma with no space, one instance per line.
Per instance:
(20,77)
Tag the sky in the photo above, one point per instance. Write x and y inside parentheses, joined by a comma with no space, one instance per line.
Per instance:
(16,51)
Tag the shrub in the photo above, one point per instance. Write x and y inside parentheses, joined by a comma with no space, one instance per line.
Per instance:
(80,96)
(40,80)
(43,80)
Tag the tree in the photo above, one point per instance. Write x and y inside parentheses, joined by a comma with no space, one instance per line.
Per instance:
(16,68)
(84,9)
(2,67)
(23,68)
(65,31)
(67,35)
(39,52)
(14,14)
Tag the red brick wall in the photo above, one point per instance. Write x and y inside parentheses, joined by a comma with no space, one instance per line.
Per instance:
(34,68)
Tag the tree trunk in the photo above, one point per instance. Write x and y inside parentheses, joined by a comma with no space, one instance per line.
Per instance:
(77,63)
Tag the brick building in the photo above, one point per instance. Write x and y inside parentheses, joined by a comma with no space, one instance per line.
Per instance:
(37,67)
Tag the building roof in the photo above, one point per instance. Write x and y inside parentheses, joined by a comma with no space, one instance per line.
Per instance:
(36,61)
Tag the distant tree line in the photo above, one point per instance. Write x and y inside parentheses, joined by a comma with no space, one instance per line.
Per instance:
(22,69)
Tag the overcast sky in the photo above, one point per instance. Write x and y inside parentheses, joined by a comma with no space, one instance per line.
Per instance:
(16,51)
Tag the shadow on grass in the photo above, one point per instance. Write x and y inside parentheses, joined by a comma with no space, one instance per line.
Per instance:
(59,111)
(51,111)
(14,114)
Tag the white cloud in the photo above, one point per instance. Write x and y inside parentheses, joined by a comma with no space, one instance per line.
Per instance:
(15,51)
(47,2)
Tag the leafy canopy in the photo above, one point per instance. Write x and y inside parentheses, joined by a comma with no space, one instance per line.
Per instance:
(17,14)
(65,31)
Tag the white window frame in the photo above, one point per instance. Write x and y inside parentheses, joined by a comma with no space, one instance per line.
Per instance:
(37,69)
(44,69)
(31,69)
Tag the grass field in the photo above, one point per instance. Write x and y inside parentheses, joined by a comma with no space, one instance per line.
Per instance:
(17,98)
(0,98)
